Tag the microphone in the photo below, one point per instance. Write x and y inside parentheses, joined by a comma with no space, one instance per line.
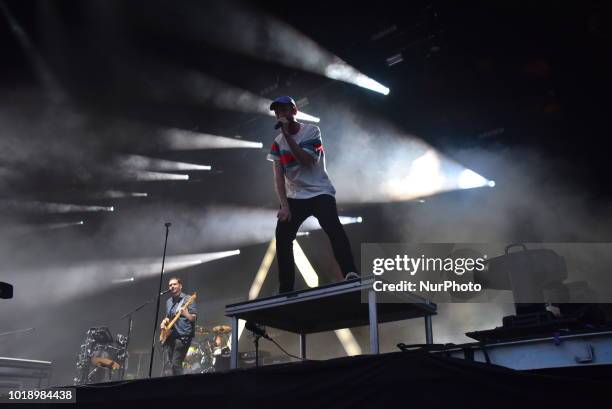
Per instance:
(256,329)
(279,124)
(164,292)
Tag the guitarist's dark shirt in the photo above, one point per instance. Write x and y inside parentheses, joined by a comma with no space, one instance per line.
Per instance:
(183,327)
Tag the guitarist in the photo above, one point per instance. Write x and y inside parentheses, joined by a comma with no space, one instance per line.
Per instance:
(177,344)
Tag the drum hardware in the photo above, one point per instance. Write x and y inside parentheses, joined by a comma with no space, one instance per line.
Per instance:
(222,329)
(99,356)
(208,351)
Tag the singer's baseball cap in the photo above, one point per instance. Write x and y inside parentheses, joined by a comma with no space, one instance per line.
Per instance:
(284,100)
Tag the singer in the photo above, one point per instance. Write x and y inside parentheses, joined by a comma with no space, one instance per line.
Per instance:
(303,189)
(176,346)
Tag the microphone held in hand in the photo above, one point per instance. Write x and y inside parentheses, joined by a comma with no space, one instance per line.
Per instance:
(281,122)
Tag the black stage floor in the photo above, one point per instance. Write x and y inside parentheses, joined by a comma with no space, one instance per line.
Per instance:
(399,379)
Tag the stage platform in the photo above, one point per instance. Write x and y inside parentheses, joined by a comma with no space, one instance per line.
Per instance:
(345,304)
(398,379)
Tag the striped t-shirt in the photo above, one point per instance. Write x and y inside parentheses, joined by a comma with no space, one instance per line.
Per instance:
(303,182)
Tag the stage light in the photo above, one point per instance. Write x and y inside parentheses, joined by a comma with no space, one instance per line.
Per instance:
(304,267)
(305,117)
(301,115)
(263,270)
(179,139)
(123,280)
(302,234)
(421,177)
(45,207)
(137,162)
(343,72)
(491,183)
(349,220)
(198,88)
(95,276)
(280,43)
(52,226)
(41,227)
(146,176)
(114,194)
(312,223)
(260,278)
(469,179)
(348,341)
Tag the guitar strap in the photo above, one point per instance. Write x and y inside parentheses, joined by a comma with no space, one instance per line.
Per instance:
(176,306)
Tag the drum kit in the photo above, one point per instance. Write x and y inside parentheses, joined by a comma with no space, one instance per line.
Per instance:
(101,358)
(209,350)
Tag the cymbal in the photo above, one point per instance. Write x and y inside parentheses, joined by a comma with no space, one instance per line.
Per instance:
(222,329)
(199,330)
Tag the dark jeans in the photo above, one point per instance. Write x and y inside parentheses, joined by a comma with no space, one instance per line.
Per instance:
(175,350)
(323,207)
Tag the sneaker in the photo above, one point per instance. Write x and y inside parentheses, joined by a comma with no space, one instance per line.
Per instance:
(351,276)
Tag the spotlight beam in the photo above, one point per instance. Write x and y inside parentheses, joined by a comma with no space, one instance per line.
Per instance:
(45,207)
(146,176)
(281,44)
(137,162)
(180,139)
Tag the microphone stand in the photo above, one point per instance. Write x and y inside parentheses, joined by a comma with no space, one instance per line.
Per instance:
(129,332)
(256,342)
(257,333)
(161,278)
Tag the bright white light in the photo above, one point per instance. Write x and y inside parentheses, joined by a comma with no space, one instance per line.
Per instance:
(312,223)
(348,341)
(343,72)
(179,139)
(264,268)
(206,257)
(260,277)
(305,117)
(144,163)
(115,194)
(45,207)
(423,177)
(281,44)
(349,220)
(304,266)
(122,280)
(302,234)
(188,260)
(491,183)
(469,179)
(300,115)
(145,176)
(95,276)
(112,208)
